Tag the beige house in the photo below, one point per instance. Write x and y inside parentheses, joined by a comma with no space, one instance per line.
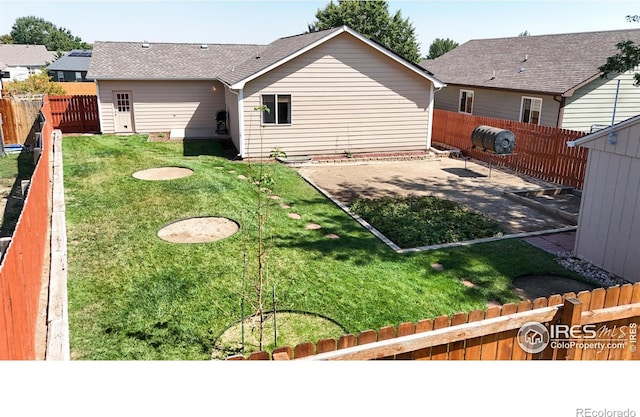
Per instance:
(550,80)
(609,224)
(327,92)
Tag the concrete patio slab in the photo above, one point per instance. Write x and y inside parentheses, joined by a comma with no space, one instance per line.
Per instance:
(465,182)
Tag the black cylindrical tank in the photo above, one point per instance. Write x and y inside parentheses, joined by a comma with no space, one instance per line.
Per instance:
(493,139)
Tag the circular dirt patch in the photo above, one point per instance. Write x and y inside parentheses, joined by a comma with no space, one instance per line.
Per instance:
(535,286)
(292,328)
(198,230)
(162,173)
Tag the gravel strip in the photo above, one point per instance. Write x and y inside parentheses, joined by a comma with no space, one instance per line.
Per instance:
(589,271)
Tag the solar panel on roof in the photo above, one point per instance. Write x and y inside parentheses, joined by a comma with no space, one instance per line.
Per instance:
(80,54)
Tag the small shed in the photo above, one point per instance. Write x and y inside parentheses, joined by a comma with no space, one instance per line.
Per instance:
(608,233)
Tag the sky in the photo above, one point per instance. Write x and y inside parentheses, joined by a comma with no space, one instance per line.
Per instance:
(261,22)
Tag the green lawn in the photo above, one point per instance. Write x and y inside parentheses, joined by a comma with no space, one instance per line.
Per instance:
(135,296)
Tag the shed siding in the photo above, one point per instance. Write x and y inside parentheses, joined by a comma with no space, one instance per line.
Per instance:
(160,106)
(609,224)
(593,103)
(498,104)
(345,96)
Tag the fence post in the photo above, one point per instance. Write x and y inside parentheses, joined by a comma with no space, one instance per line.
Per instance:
(571,314)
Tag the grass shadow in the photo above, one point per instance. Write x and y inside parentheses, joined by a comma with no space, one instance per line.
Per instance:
(223,148)
(464,173)
(15,199)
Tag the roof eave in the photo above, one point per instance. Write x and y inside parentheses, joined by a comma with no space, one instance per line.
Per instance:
(539,92)
(573,89)
(101,78)
(602,133)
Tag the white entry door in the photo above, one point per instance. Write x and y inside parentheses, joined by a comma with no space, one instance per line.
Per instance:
(122,112)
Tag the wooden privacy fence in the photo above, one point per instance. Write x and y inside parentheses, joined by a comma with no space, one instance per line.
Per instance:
(23,263)
(612,314)
(75,114)
(540,151)
(78,88)
(18,119)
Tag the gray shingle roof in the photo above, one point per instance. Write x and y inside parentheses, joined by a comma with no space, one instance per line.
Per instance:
(554,63)
(71,63)
(228,63)
(166,61)
(273,53)
(25,55)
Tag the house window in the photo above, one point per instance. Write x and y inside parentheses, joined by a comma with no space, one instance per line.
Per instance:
(530,110)
(78,76)
(466,101)
(60,76)
(279,106)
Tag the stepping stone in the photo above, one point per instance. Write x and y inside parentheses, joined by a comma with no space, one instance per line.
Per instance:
(275,197)
(332,236)
(285,206)
(313,226)
(437,267)
(468,284)
(232,172)
(242,177)
(294,216)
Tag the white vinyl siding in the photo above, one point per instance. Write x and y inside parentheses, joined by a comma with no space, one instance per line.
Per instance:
(160,106)
(593,103)
(531,110)
(346,96)
(466,102)
(498,104)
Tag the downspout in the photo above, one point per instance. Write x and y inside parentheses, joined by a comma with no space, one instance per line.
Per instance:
(562,102)
(430,123)
(240,95)
(99,107)
(430,114)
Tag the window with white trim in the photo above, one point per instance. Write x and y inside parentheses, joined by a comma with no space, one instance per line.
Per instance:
(466,102)
(279,106)
(60,76)
(78,76)
(530,110)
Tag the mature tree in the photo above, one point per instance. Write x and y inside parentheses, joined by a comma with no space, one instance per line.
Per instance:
(440,47)
(626,60)
(39,83)
(633,18)
(32,30)
(525,33)
(371,19)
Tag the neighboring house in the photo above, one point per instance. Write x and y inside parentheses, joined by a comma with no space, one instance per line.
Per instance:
(609,223)
(20,61)
(328,92)
(71,67)
(550,80)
